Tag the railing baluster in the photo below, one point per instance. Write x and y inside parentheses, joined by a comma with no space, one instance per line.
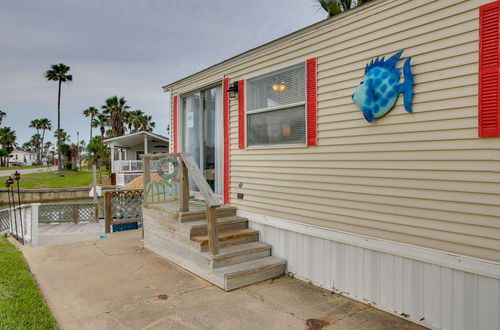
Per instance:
(213,237)
(184,181)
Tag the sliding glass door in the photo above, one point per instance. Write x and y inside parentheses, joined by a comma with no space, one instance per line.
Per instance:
(202,132)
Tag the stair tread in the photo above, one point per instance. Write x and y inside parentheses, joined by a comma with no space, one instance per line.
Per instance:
(233,250)
(227,234)
(249,266)
(221,220)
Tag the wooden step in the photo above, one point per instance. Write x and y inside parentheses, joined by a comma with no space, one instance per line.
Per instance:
(250,272)
(201,214)
(197,228)
(170,210)
(235,254)
(228,237)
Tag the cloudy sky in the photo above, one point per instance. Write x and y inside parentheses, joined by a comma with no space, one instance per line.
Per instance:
(124,47)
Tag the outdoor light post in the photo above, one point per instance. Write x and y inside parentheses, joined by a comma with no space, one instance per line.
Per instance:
(17,176)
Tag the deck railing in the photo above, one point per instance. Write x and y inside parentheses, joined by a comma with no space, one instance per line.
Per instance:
(184,166)
(121,207)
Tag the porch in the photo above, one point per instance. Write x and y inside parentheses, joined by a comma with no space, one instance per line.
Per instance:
(126,150)
(187,224)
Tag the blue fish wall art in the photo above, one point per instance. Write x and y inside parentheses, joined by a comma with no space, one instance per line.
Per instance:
(380,88)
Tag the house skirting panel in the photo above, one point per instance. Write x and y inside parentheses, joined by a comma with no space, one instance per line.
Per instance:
(428,287)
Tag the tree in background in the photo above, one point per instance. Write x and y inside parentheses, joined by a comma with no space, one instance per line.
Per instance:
(334,7)
(8,142)
(37,125)
(101,121)
(144,123)
(46,125)
(98,154)
(2,116)
(115,108)
(59,73)
(42,124)
(61,135)
(90,112)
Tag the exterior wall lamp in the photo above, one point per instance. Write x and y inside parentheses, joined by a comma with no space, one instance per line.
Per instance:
(233,90)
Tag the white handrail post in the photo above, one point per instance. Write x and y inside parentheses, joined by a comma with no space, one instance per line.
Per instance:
(34,224)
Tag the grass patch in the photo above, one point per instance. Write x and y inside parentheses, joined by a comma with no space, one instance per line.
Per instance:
(21,304)
(51,180)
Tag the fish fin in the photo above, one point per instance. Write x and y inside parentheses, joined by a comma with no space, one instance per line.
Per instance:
(407,86)
(393,60)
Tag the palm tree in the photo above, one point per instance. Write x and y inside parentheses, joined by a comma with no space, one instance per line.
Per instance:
(36,124)
(145,123)
(59,73)
(101,121)
(2,116)
(334,7)
(7,141)
(61,135)
(45,125)
(90,112)
(115,107)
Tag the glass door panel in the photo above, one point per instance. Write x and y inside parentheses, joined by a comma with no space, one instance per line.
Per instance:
(202,133)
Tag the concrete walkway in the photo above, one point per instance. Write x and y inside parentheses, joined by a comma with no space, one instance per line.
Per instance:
(63,233)
(114,283)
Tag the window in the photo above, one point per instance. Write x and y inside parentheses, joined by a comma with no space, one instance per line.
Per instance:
(275,107)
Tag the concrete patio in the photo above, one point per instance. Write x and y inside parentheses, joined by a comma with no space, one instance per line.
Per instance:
(114,283)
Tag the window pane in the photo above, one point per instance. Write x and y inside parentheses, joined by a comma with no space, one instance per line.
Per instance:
(278,88)
(285,126)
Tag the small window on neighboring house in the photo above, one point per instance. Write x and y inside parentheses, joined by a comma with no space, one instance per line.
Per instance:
(275,107)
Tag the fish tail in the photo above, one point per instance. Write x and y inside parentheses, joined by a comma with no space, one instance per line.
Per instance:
(407,85)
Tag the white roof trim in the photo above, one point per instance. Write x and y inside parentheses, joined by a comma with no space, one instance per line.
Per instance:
(152,135)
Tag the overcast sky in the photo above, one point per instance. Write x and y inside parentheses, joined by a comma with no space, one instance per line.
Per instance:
(128,48)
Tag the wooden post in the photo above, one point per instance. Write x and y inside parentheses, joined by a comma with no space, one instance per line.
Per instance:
(184,181)
(75,213)
(107,212)
(213,237)
(146,178)
(97,212)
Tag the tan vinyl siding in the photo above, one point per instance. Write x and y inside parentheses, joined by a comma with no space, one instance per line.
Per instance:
(423,178)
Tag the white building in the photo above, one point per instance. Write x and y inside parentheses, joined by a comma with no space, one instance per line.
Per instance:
(22,158)
(126,153)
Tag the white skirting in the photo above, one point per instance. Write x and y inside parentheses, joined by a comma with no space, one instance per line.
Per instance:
(428,287)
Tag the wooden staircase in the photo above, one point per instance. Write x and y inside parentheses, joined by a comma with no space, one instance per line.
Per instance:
(182,237)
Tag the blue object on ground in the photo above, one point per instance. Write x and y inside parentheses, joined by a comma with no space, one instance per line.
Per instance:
(102,235)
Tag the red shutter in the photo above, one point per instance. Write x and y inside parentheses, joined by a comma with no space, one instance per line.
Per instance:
(241,114)
(311,101)
(225,123)
(174,119)
(489,61)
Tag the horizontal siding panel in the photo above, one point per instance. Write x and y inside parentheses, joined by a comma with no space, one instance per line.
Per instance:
(474,224)
(376,173)
(301,179)
(454,196)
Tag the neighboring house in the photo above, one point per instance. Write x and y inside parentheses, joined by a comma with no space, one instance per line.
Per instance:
(22,158)
(126,153)
(402,213)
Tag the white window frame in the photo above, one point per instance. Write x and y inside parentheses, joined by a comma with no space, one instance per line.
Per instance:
(304,103)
